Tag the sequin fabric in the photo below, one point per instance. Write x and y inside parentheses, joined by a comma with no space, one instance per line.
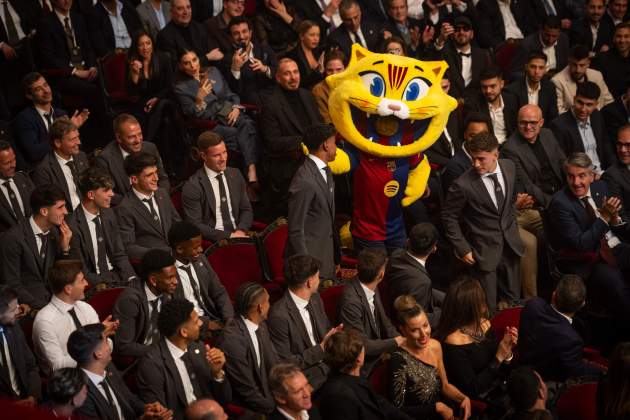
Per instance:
(413,382)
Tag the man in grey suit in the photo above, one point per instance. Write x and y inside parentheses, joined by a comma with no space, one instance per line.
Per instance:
(312,202)
(137,308)
(361,309)
(63,165)
(31,247)
(96,236)
(146,213)
(198,282)
(215,197)
(154,15)
(480,203)
(298,323)
(16,190)
(407,274)
(128,140)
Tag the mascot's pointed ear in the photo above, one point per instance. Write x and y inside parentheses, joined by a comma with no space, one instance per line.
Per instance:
(437,67)
(358,52)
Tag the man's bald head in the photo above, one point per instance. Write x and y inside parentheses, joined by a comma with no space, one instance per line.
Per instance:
(205,409)
(530,121)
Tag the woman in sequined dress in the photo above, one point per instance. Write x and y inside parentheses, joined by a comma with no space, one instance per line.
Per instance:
(418,379)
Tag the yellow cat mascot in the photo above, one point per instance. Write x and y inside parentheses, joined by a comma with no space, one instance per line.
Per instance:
(388,109)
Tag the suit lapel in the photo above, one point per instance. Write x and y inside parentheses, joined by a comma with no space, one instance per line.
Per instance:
(84,230)
(165,212)
(252,352)
(319,180)
(144,212)
(575,133)
(295,316)
(118,168)
(288,112)
(171,369)
(206,186)
(233,191)
(100,401)
(482,191)
(58,173)
(507,194)
(365,304)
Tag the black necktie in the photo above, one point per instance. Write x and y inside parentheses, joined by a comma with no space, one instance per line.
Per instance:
(225,209)
(154,214)
(463,54)
(101,250)
(73,171)
(110,398)
(191,374)
(498,191)
(12,34)
(154,332)
(589,209)
(48,117)
(311,314)
(75,319)
(17,210)
(43,248)
(195,287)
(5,359)
(357,38)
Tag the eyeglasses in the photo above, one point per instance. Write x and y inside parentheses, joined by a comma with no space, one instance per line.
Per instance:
(621,145)
(528,123)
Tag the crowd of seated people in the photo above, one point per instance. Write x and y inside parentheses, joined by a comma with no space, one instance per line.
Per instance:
(137,137)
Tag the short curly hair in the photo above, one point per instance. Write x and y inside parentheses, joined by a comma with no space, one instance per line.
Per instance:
(173,314)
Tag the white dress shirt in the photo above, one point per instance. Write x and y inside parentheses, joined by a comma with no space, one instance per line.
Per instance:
(142,197)
(359,34)
(36,231)
(511,27)
(563,315)
(321,165)
(251,329)
(414,9)
(490,185)
(594,29)
(532,94)
(590,143)
(611,239)
(159,15)
(10,367)
(177,354)
(420,260)
(498,121)
(15,17)
(14,189)
(51,329)
(214,182)
(335,19)
(550,52)
(41,113)
(121,34)
(306,317)
(303,414)
(92,227)
(67,174)
(97,381)
(369,295)
(186,281)
(466,66)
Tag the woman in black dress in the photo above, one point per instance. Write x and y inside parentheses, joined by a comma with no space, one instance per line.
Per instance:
(308,55)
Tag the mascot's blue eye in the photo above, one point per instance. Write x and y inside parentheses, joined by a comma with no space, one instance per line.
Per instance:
(374,83)
(416,89)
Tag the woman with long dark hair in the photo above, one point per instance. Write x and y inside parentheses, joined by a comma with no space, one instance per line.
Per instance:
(308,55)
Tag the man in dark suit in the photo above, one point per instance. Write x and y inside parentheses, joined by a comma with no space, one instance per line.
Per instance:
(217,25)
(480,203)
(146,214)
(617,176)
(312,202)
(354,29)
(198,282)
(19,374)
(128,140)
(537,156)
(179,369)
(492,24)
(183,33)
(104,37)
(108,397)
(466,61)
(548,40)
(407,274)
(547,341)
(31,126)
(535,88)
(16,190)
(215,197)
(544,10)
(587,225)
(617,114)
(65,163)
(138,306)
(96,236)
(292,392)
(450,141)
(497,103)
(582,129)
(30,248)
(361,309)
(251,67)
(298,323)
(582,30)
(250,352)
(614,63)
(288,111)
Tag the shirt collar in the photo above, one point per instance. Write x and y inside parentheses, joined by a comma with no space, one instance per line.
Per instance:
(252,327)
(321,165)
(60,304)
(119,7)
(88,215)
(568,318)
(42,112)
(369,293)
(211,173)
(123,152)
(96,379)
(497,171)
(61,160)
(62,17)
(175,351)
(36,229)
(588,194)
(150,295)
(530,90)
(542,43)
(500,104)
(140,195)
(580,123)
(420,260)
(303,414)
(299,302)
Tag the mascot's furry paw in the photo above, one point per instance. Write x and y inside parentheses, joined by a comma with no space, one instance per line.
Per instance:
(341,164)
(417,182)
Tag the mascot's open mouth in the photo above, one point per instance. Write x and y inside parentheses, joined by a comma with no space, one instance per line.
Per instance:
(388,130)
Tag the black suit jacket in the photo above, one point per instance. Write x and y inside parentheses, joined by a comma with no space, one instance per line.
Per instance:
(528,167)
(31,136)
(565,129)
(580,34)
(139,231)
(533,43)
(49,172)
(25,187)
(24,363)
(100,27)
(200,205)
(458,164)
(440,151)
(249,382)
(171,41)
(215,297)
(615,116)
(547,98)
(491,20)
(27,21)
(480,59)
(97,406)
(252,85)
(549,344)
(81,241)
(510,109)
(111,158)
(159,379)
(340,37)
(378,332)
(617,178)
(53,48)
(291,340)
(540,13)
(346,397)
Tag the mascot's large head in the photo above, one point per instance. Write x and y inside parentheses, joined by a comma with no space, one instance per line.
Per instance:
(388,105)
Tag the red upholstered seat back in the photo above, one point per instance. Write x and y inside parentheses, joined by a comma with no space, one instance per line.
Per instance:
(578,403)
(235,263)
(103,301)
(331,298)
(379,379)
(274,241)
(510,317)
(115,74)
(505,56)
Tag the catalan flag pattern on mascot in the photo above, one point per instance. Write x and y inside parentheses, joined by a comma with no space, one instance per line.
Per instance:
(389,109)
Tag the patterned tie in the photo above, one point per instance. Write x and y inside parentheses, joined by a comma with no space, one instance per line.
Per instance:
(17,210)
(498,191)
(195,287)
(154,214)
(101,250)
(154,332)
(44,245)
(48,117)
(12,34)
